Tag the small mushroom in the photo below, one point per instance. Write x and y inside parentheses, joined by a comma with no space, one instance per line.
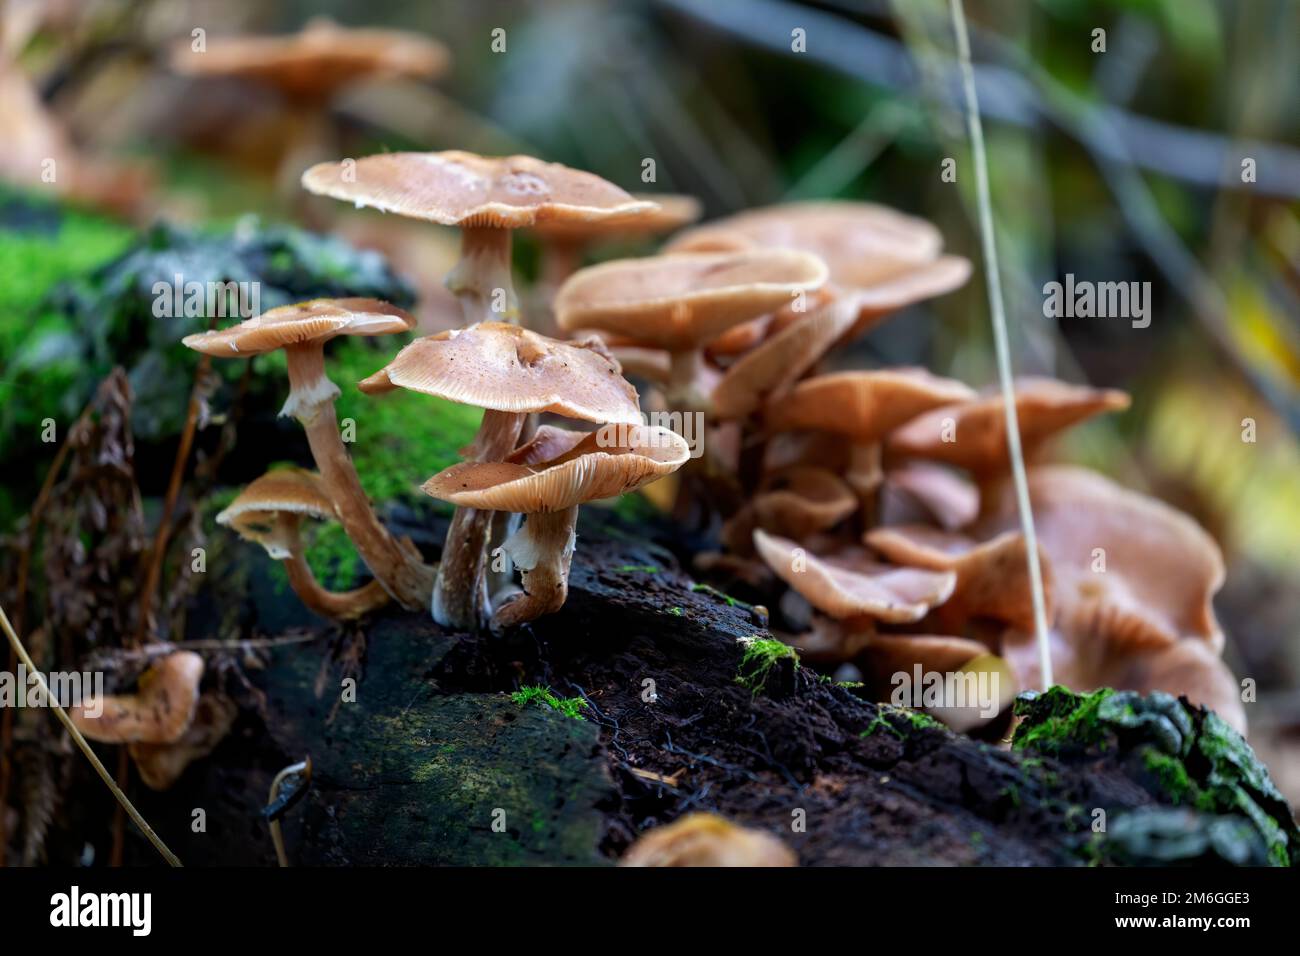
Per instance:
(159,712)
(920,491)
(161,765)
(270,511)
(509,372)
(849,585)
(486,197)
(992,575)
(302,330)
(705,839)
(603,464)
(682,302)
(799,501)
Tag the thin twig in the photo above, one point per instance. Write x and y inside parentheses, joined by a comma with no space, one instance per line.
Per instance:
(997,311)
(81,742)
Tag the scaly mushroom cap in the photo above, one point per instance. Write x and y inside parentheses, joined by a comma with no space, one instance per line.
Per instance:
(605,463)
(502,366)
(778,362)
(457,188)
(862,243)
(802,500)
(1044,407)
(252,514)
(669,212)
(680,302)
(849,585)
(317,320)
(1161,569)
(862,405)
(316,62)
(703,839)
(920,490)
(158,713)
(992,576)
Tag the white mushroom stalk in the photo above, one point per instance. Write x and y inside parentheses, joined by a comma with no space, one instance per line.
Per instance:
(482,279)
(543,551)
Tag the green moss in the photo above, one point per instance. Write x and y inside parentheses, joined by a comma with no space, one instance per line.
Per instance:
(568,706)
(1058,719)
(759,657)
(637,568)
(1172,776)
(880,723)
(677,611)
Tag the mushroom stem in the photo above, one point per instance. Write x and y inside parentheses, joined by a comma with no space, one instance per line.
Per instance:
(481,280)
(336,605)
(460,598)
(398,569)
(543,551)
(560,259)
(682,395)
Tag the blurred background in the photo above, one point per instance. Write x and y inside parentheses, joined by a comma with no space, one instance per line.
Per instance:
(1169,154)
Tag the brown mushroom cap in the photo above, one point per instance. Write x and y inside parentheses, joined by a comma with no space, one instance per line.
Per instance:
(863,405)
(1161,569)
(317,320)
(849,585)
(670,211)
(680,302)
(457,188)
(862,243)
(316,62)
(1044,407)
(704,839)
(605,463)
(498,365)
(286,490)
(933,493)
(161,765)
(802,500)
(992,576)
(157,713)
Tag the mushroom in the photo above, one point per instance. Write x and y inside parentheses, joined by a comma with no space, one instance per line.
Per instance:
(159,712)
(270,511)
(302,330)
(705,839)
(801,500)
(486,198)
(564,242)
(161,765)
(603,464)
(992,576)
(310,68)
(848,585)
(509,372)
(1133,581)
(681,302)
(929,493)
(973,434)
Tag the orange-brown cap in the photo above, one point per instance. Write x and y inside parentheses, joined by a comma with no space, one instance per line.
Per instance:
(319,60)
(1128,569)
(159,711)
(284,490)
(862,243)
(802,500)
(680,302)
(973,434)
(161,765)
(457,188)
(704,839)
(862,405)
(668,212)
(992,576)
(317,320)
(605,463)
(849,585)
(501,366)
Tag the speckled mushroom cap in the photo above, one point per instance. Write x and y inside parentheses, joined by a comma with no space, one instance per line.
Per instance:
(863,405)
(1161,569)
(286,489)
(861,243)
(1044,407)
(850,585)
(605,463)
(680,302)
(317,320)
(501,366)
(317,61)
(457,188)
(668,212)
